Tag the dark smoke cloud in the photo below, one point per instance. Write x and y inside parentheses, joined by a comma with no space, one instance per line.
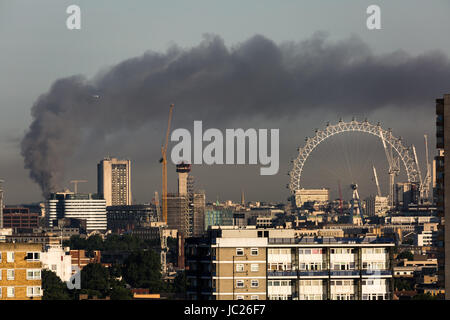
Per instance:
(217,83)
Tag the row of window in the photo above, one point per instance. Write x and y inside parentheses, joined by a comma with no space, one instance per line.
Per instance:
(11,292)
(31,256)
(32,274)
(278,283)
(253,251)
(335,266)
(279,251)
(253,283)
(253,297)
(315,283)
(254,267)
(332,251)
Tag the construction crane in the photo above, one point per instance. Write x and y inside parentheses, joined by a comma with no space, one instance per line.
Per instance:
(427,181)
(394,167)
(75,184)
(163,160)
(376,181)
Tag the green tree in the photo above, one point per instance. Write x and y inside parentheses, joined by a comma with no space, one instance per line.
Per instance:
(406,255)
(143,270)
(53,287)
(95,280)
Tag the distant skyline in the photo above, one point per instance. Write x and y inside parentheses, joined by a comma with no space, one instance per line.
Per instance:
(37,50)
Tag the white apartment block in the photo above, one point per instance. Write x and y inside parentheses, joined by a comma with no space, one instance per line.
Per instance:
(272,264)
(57,259)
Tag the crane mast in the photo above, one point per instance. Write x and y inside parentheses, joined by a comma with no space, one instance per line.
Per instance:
(164,167)
(394,167)
(427,181)
(376,181)
(163,160)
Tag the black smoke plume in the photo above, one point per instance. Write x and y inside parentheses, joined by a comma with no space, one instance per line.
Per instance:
(215,82)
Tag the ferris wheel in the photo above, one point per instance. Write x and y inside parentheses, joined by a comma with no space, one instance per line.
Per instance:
(396,153)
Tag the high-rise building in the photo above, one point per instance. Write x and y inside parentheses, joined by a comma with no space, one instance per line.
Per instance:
(88,207)
(376,205)
(114,181)
(235,263)
(186,209)
(443,183)
(198,214)
(178,216)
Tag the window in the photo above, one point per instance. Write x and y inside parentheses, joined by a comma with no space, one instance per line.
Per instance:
(54,267)
(10,274)
(10,256)
(239,251)
(254,267)
(33,274)
(254,251)
(33,256)
(255,297)
(10,292)
(255,283)
(240,298)
(0,257)
(239,267)
(239,283)
(33,291)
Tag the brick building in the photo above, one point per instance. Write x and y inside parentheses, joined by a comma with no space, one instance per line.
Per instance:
(20,271)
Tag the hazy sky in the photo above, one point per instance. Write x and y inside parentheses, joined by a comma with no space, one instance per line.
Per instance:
(36,49)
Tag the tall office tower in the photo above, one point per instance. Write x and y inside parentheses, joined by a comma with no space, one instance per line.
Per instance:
(114,181)
(88,207)
(242,198)
(442,183)
(198,214)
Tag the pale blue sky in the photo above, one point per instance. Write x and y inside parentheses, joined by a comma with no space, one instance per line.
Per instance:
(36,48)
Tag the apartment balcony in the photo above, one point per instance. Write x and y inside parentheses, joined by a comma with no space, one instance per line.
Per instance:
(344,273)
(376,272)
(285,273)
(313,273)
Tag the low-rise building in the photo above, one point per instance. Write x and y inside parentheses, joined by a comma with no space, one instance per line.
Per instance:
(20,271)
(57,259)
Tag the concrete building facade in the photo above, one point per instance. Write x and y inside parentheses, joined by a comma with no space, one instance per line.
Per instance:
(309,195)
(58,260)
(114,181)
(443,183)
(272,264)
(86,207)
